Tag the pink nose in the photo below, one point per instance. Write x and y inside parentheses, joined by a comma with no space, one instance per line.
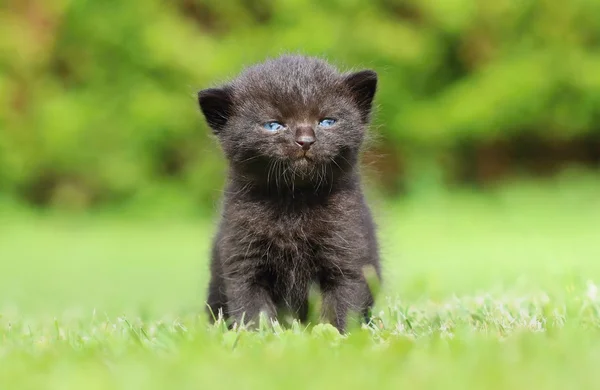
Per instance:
(305,142)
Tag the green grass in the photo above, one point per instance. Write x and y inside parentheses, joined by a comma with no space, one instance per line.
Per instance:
(481,291)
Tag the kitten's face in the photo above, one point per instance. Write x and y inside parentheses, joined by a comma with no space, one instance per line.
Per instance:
(292,116)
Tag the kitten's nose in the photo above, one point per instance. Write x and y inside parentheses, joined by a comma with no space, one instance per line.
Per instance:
(305,142)
(305,137)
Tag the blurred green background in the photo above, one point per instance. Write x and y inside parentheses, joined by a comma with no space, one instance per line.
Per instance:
(98,104)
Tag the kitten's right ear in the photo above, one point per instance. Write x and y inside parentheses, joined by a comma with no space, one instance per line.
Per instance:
(216,104)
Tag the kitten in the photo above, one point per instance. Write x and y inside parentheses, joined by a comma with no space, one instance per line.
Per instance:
(294,212)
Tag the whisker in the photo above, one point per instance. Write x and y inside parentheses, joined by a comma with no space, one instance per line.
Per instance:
(278,175)
(249,159)
(335,162)
(271,167)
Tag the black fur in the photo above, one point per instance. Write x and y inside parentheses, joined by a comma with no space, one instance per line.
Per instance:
(291,216)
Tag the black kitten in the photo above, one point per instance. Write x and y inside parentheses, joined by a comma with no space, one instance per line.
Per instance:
(294,213)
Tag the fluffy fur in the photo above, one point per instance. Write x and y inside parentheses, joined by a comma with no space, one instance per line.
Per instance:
(292,215)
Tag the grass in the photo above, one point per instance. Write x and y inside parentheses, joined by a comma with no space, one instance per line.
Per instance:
(486,291)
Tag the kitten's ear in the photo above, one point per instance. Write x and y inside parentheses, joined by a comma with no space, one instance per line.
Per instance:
(363,85)
(216,104)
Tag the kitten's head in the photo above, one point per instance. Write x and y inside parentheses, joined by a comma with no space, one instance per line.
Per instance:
(293,116)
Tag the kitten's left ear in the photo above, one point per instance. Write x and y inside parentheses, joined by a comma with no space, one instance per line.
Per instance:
(216,104)
(363,85)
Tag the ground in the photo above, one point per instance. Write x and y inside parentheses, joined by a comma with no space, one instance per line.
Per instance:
(493,290)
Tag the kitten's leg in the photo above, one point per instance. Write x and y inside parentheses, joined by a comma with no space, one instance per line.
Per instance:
(345,299)
(303,312)
(247,300)
(299,299)
(216,300)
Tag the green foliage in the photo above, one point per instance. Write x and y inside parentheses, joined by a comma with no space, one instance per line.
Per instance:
(98,102)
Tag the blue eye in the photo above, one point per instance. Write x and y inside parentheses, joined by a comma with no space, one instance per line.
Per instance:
(273,126)
(327,122)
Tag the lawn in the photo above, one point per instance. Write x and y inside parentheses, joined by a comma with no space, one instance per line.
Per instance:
(483,291)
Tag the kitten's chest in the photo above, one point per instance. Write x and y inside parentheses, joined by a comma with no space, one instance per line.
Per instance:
(291,231)
(283,235)
(289,234)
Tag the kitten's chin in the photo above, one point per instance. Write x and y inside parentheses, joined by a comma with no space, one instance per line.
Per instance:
(301,163)
(302,168)
(304,165)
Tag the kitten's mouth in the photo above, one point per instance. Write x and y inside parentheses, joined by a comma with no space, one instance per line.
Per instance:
(304,156)
(302,160)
